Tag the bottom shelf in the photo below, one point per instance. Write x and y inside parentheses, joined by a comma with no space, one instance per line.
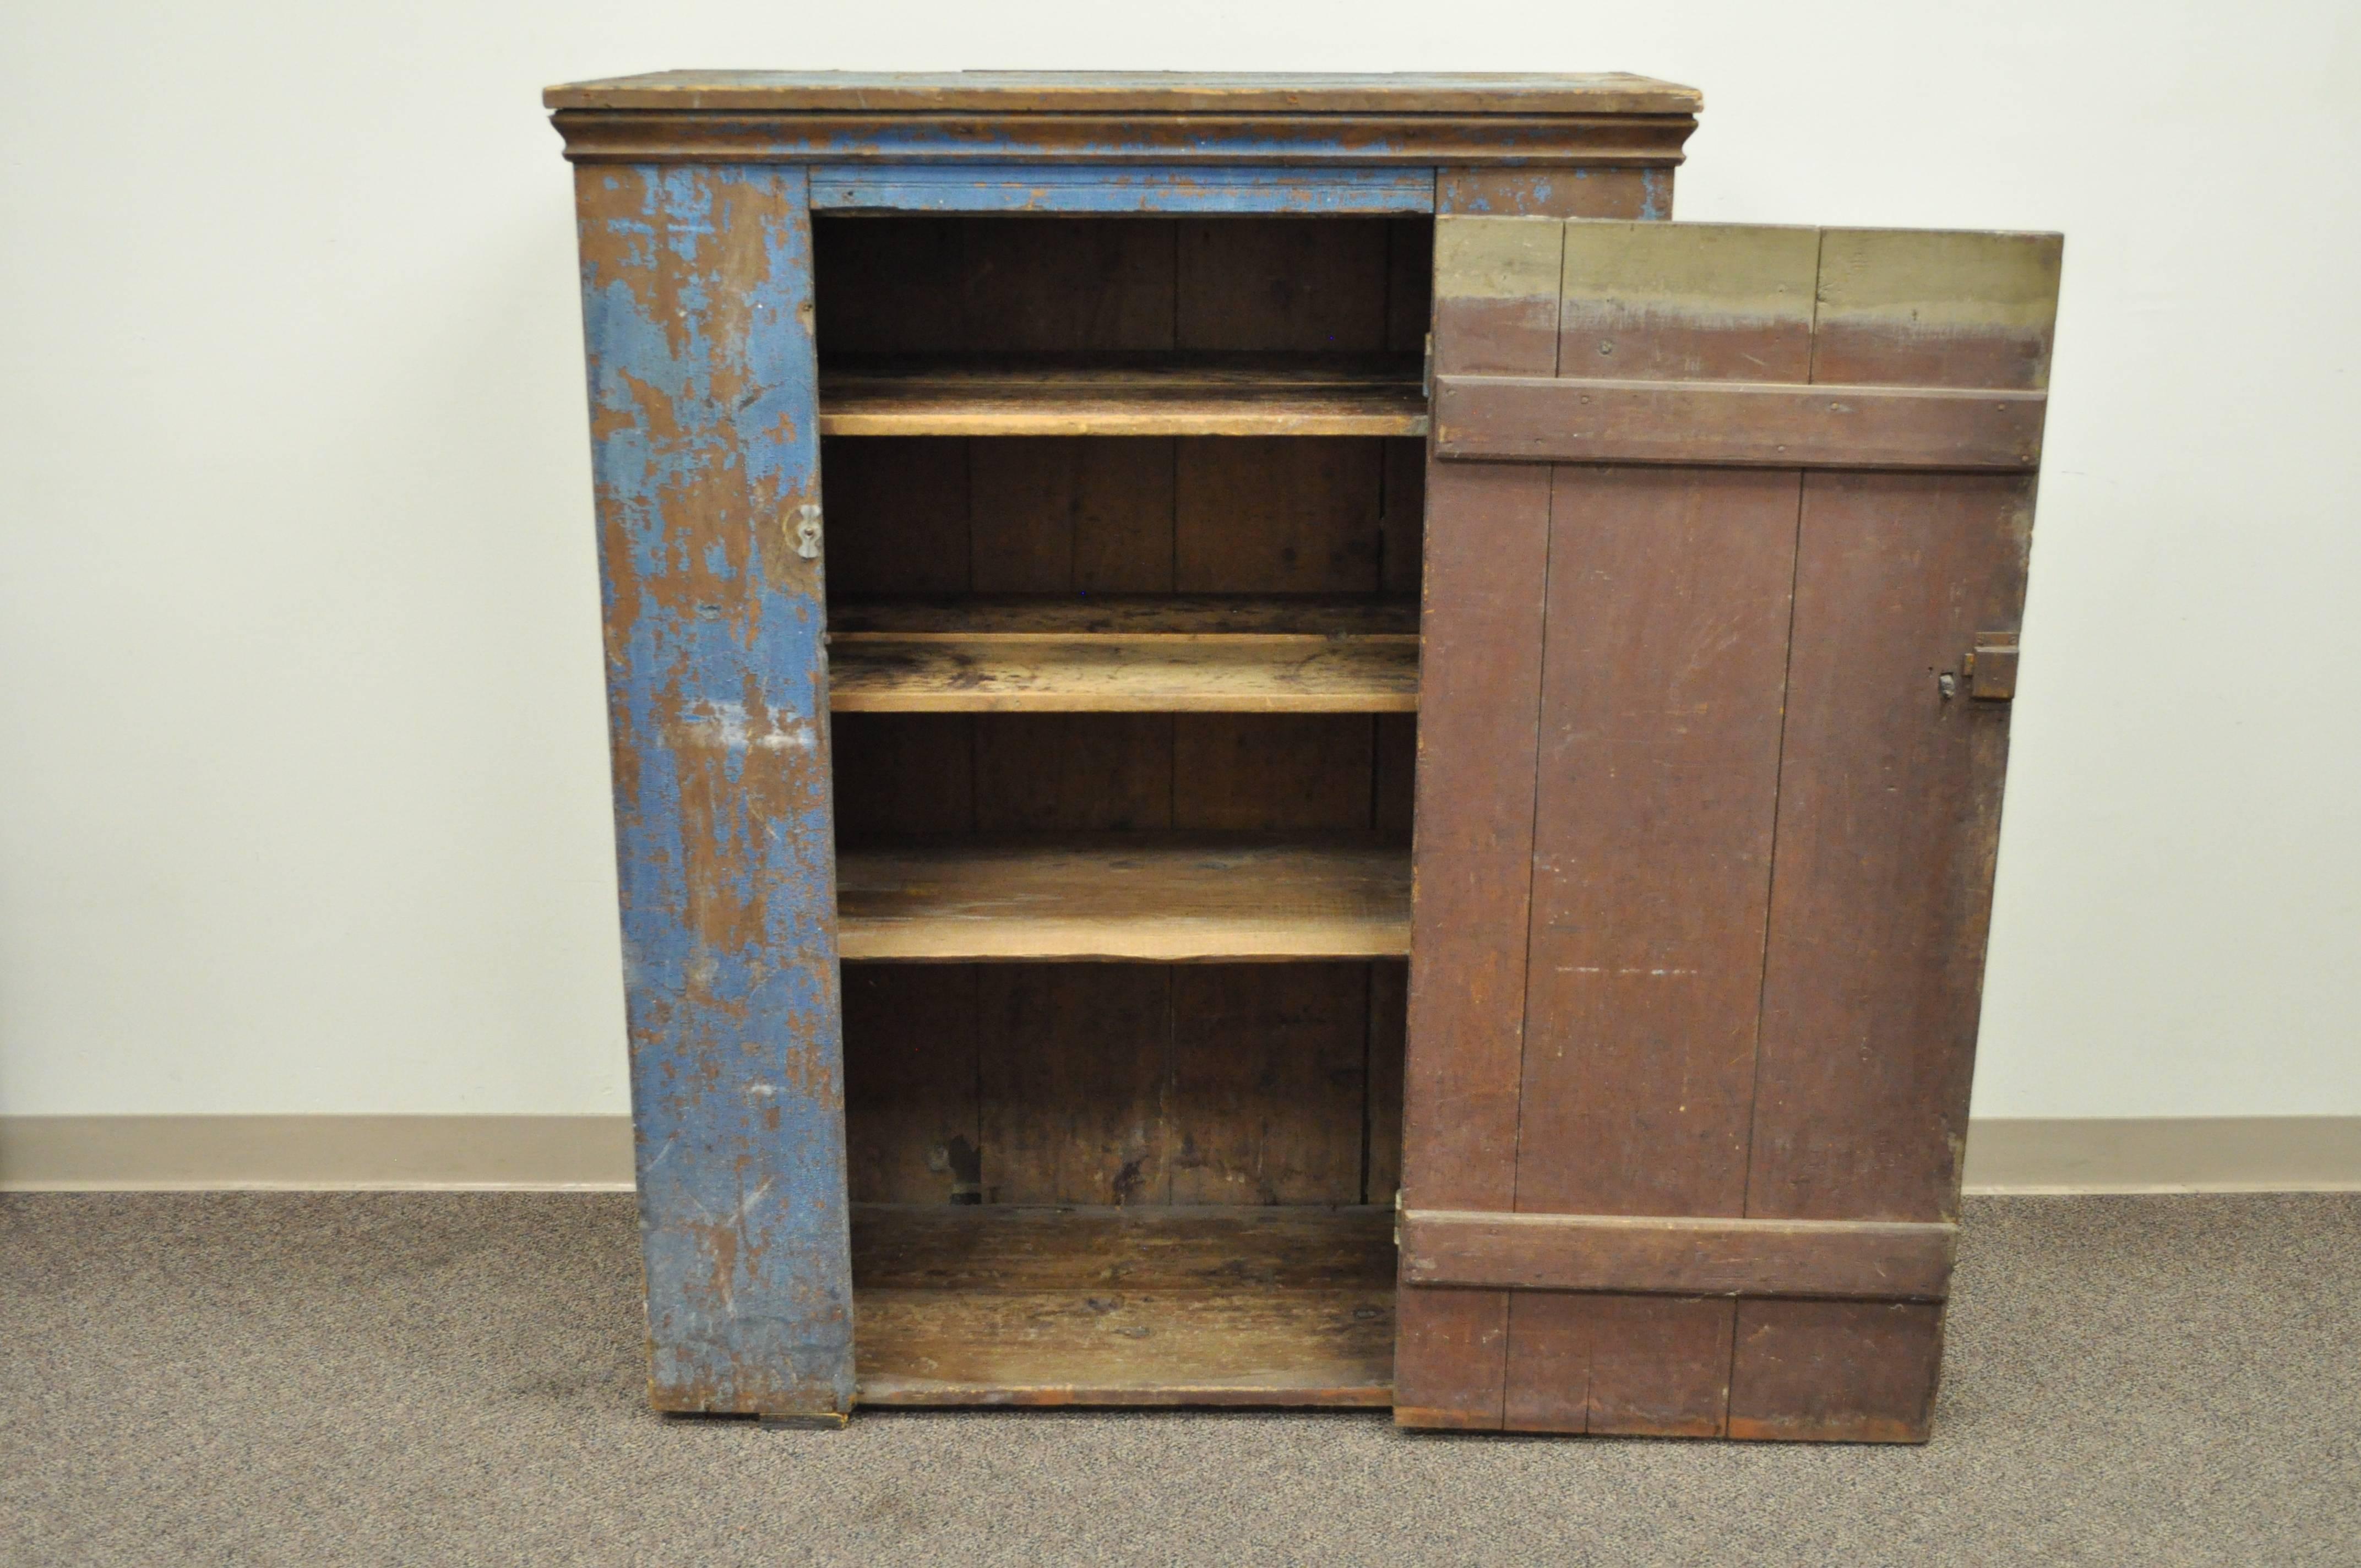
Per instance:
(1002,1305)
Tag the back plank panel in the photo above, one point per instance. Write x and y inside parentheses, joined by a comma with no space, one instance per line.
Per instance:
(1090,518)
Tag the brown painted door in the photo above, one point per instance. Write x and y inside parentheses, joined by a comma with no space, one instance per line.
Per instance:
(1726,546)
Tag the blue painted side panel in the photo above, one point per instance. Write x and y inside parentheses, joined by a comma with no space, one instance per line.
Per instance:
(698,308)
(1070,188)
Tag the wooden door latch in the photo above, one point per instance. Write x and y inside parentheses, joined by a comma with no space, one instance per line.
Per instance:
(1991,669)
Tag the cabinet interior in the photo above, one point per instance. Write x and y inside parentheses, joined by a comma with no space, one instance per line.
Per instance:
(1124,524)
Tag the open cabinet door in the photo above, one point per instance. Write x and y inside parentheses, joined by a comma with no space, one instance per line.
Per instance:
(1725,545)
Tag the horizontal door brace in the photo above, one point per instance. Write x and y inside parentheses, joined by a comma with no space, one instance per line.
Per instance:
(1742,424)
(1848,1259)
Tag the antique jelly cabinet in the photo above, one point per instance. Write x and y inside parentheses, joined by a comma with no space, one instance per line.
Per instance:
(1273,747)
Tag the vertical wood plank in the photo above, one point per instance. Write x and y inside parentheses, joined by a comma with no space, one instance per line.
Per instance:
(912,1121)
(1283,284)
(1628,1365)
(697,313)
(1389,1030)
(891,287)
(1889,820)
(1085,514)
(1278,515)
(1393,792)
(1268,1082)
(1402,525)
(1073,773)
(897,515)
(1666,649)
(1410,283)
(1271,1060)
(1666,662)
(948,285)
(1487,565)
(1074,1060)
(1835,1370)
(900,774)
(1251,772)
(1409,311)
(1652,854)
(1062,285)
(1075,1067)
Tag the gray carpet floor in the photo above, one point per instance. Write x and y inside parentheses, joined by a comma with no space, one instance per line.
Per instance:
(429,1379)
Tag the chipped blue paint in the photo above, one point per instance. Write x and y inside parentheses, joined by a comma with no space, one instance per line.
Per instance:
(1656,200)
(1536,195)
(1071,188)
(698,312)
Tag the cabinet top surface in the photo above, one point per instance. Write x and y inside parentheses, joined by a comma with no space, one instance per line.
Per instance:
(1142,92)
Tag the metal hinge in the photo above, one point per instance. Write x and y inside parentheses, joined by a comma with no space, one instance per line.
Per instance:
(1426,372)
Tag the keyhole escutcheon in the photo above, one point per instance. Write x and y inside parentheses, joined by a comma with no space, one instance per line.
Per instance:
(808,530)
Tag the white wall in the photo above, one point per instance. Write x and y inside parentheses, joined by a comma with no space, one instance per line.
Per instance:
(302,754)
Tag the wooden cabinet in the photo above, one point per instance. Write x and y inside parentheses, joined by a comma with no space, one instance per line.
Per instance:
(1271,747)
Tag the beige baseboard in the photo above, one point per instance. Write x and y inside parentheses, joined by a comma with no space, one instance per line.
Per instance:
(2165,1153)
(164,1153)
(2219,1154)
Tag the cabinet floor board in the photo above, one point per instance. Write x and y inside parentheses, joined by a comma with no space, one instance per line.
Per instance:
(1062,1305)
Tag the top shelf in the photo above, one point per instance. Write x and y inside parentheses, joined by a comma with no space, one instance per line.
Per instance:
(1168,394)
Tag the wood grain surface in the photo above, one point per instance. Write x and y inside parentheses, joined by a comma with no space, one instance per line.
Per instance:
(1486,573)
(1259,675)
(1741,426)
(1114,1082)
(1186,898)
(1072,92)
(1388,139)
(1133,618)
(1762,840)
(1063,188)
(1115,653)
(1889,820)
(697,316)
(1133,1305)
(1868,1259)
(1265,394)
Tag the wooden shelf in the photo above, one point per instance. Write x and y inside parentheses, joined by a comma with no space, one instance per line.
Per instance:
(1160,898)
(1171,394)
(1130,654)
(1141,1306)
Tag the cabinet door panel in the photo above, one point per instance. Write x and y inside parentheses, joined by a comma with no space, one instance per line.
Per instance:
(1763,814)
